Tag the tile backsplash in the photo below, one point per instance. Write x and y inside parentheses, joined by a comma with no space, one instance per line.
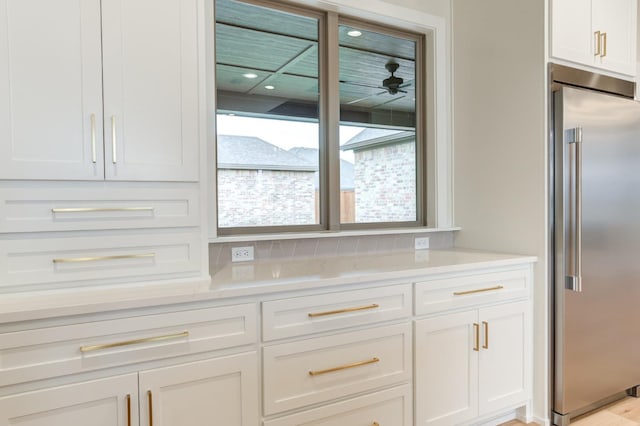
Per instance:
(220,253)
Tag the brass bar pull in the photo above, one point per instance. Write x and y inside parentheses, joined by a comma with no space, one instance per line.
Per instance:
(128,410)
(476,337)
(344,367)
(150,399)
(97,258)
(598,43)
(90,348)
(93,138)
(342,311)
(101,209)
(481,290)
(114,151)
(604,45)
(486,335)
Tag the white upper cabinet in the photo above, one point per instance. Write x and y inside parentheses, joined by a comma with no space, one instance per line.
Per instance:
(151,89)
(597,33)
(50,90)
(58,58)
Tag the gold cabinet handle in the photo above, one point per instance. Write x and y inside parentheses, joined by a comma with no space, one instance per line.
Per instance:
(481,290)
(344,367)
(476,337)
(342,311)
(598,43)
(486,335)
(128,410)
(90,348)
(375,424)
(114,151)
(97,258)
(150,400)
(604,45)
(93,138)
(101,209)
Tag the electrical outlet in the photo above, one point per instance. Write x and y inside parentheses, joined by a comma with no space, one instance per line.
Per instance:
(241,254)
(421,243)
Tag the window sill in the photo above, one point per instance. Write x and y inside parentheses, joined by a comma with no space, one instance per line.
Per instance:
(327,234)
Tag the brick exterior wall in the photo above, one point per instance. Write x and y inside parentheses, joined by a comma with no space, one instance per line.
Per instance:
(385,183)
(265,198)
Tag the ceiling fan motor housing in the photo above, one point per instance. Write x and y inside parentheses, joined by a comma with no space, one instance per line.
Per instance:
(392,83)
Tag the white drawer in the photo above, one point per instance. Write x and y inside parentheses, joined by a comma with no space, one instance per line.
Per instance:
(317,370)
(391,407)
(470,290)
(61,350)
(325,312)
(37,263)
(68,209)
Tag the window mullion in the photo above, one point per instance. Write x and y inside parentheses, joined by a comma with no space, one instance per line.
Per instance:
(331,122)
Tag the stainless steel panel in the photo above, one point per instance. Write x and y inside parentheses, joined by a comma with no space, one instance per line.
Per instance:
(586,79)
(597,338)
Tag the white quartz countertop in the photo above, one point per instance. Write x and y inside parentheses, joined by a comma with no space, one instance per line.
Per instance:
(252,279)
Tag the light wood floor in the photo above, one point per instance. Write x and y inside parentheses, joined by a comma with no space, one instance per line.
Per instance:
(625,412)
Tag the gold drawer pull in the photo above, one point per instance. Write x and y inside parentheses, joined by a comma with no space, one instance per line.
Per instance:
(150,401)
(344,367)
(476,337)
(133,342)
(94,259)
(486,335)
(481,290)
(343,311)
(128,410)
(101,209)
(375,424)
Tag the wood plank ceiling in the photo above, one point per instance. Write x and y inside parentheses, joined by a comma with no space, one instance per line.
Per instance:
(282,50)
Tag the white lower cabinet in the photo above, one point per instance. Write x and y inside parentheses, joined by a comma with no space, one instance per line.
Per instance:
(220,391)
(105,402)
(391,407)
(472,364)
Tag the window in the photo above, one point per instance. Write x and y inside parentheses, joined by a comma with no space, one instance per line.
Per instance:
(317,121)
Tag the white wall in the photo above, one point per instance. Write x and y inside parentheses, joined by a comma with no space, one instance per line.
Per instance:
(499,84)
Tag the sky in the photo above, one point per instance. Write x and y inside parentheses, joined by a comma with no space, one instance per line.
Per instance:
(282,133)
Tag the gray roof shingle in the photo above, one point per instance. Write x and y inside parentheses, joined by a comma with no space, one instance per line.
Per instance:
(252,153)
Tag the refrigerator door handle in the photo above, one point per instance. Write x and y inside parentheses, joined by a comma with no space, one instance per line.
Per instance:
(574,276)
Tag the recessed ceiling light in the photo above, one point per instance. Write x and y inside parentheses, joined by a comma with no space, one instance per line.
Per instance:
(354,33)
(269,87)
(250,75)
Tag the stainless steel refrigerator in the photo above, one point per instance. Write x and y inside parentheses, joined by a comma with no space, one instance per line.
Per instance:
(595,156)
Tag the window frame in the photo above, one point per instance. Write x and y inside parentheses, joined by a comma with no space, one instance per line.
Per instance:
(329,125)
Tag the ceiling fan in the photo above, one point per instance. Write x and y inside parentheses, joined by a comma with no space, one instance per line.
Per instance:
(391,85)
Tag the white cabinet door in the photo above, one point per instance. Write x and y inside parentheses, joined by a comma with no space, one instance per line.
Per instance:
(221,391)
(151,89)
(446,377)
(616,21)
(50,90)
(504,358)
(595,33)
(571,36)
(106,402)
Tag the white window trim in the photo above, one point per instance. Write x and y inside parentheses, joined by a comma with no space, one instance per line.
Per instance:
(440,190)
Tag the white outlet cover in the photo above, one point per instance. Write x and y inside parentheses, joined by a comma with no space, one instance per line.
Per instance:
(242,254)
(421,243)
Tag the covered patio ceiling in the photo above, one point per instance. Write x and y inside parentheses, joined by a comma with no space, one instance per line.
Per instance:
(281,51)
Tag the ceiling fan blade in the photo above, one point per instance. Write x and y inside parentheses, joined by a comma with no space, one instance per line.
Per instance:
(406,83)
(355,101)
(355,83)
